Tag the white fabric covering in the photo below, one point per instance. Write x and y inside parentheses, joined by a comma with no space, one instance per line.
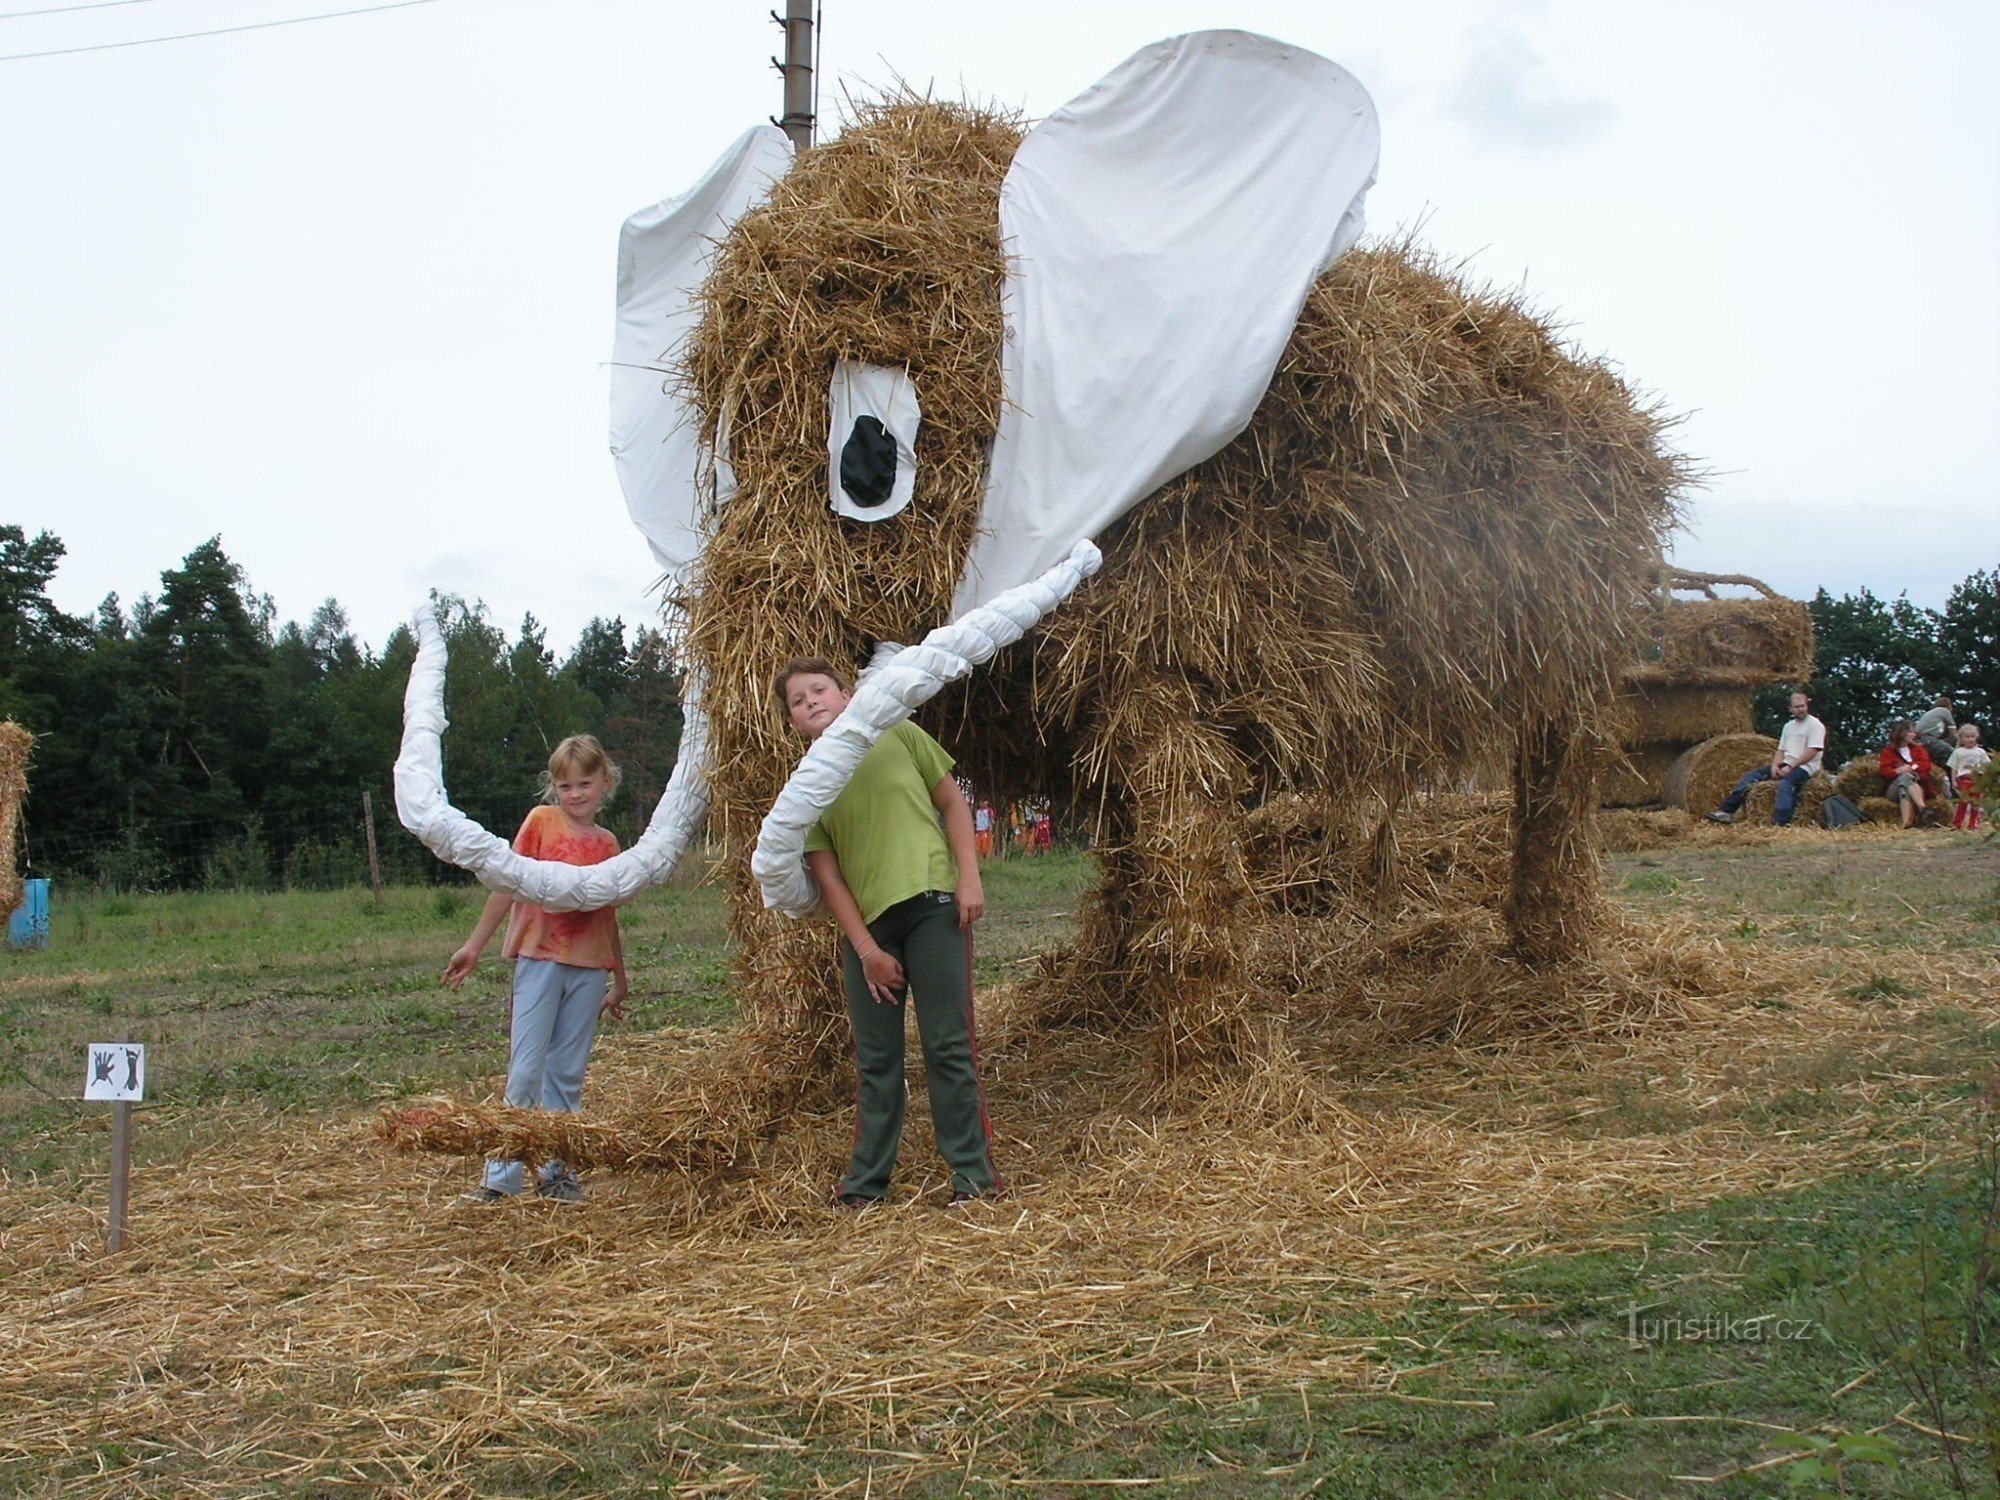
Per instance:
(1163,229)
(663,257)
(889,396)
(453,837)
(886,695)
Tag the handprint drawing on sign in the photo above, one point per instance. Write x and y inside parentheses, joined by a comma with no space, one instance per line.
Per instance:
(101,1064)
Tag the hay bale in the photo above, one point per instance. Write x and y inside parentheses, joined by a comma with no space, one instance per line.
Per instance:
(1702,776)
(1878,809)
(1860,779)
(1638,777)
(1763,799)
(1740,643)
(16,745)
(1673,714)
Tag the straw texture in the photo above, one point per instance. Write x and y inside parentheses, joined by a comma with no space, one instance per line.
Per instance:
(300,1311)
(1428,558)
(16,745)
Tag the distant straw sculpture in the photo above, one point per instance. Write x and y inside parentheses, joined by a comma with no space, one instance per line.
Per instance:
(16,745)
(1429,554)
(1698,662)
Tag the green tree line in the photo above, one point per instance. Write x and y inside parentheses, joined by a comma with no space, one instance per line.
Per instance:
(190,739)
(1876,661)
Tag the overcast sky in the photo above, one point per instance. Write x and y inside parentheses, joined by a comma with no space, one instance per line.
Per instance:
(341,291)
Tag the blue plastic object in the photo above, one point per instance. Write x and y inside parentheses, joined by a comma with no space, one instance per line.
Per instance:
(29,926)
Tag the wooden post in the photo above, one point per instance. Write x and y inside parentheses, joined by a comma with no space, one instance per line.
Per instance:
(374,864)
(121,1174)
(797,69)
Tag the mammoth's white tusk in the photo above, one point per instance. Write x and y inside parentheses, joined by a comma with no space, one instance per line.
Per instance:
(453,837)
(886,697)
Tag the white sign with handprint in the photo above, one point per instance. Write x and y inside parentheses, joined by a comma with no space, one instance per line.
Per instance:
(116,1071)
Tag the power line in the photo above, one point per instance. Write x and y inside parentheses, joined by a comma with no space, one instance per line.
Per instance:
(147,41)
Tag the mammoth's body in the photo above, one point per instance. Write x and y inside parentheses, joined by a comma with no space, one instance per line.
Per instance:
(1418,563)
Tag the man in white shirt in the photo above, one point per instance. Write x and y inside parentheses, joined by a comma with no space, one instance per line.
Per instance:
(1801,748)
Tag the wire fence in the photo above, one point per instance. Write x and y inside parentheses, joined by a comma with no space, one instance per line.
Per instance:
(325,850)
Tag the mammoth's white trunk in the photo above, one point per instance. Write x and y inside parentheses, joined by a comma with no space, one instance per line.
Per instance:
(453,837)
(888,694)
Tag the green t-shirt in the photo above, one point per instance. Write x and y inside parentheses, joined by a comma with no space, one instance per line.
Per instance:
(884,827)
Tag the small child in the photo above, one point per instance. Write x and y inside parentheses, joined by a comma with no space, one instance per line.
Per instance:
(568,965)
(1965,763)
(906,892)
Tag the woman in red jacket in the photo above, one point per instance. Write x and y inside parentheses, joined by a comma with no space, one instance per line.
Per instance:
(1906,767)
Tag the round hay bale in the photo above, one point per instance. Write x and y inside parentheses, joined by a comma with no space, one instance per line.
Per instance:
(1763,800)
(1703,775)
(1860,779)
(1636,778)
(1665,714)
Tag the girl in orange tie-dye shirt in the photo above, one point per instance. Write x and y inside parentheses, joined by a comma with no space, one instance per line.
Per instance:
(568,965)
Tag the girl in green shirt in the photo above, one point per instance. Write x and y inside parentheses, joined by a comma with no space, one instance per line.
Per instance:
(898,868)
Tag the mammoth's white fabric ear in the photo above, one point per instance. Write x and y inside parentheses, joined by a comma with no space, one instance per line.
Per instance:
(1162,230)
(871,440)
(663,256)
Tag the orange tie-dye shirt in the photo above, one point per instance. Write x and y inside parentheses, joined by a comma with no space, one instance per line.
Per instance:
(582,938)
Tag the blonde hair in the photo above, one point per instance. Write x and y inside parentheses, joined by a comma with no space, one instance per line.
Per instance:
(580,754)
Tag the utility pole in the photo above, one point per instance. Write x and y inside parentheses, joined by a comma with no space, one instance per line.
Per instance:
(797,69)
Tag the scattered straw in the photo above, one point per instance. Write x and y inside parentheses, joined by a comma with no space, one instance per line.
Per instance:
(300,1310)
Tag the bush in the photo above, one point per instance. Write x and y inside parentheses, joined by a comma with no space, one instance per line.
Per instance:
(241,863)
(331,866)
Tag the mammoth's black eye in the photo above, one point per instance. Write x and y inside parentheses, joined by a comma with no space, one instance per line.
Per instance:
(871,440)
(868,463)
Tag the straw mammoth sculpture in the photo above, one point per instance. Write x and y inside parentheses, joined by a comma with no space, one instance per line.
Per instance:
(1284,529)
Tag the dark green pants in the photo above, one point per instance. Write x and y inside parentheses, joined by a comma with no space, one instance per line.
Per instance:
(923,935)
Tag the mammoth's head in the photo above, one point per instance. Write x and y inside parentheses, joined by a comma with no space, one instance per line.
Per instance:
(846,383)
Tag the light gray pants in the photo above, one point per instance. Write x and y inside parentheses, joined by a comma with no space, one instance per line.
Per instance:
(555,1021)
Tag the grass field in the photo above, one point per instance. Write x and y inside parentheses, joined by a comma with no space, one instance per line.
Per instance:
(1567,1292)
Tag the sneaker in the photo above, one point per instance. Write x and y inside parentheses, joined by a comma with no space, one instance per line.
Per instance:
(960,1198)
(563,1189)
(484,1195)
(1719,816)
(854,1203)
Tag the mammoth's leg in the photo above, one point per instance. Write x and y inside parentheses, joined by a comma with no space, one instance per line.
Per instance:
(1163,947)
(1553,901)
(792,1042)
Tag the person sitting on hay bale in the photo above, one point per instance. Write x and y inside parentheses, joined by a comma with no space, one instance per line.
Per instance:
(1909,778)
(905,893)
(1937,731)
(1801,747)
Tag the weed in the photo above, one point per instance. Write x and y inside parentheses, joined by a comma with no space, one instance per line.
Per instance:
(1880,987)
(1830,1458)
